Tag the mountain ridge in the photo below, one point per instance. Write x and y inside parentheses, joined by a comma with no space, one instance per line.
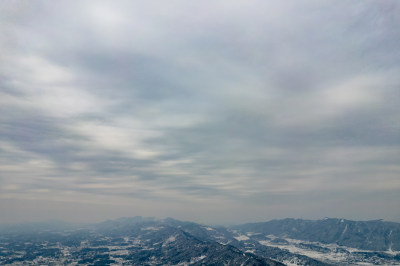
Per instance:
(377,235)
(151,241)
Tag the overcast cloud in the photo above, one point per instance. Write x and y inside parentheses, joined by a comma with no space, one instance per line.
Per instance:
(211,111)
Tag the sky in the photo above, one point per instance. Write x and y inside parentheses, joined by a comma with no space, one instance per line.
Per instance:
(208,111)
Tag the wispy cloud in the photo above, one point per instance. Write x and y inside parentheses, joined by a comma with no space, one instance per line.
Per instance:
(198,109)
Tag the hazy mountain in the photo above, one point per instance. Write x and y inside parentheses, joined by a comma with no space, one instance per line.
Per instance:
(137,241)
(375,235)
(150,241)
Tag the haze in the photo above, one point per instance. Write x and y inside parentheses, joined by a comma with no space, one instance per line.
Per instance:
(209,111)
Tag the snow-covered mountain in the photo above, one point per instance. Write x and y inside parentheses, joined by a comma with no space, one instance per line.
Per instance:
(375,235)
(148,241)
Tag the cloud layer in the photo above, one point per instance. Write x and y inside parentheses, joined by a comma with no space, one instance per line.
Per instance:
(206,111)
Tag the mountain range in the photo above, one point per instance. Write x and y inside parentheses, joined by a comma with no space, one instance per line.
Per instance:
(150,241)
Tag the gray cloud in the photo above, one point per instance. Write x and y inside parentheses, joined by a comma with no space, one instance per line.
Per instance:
(203,111)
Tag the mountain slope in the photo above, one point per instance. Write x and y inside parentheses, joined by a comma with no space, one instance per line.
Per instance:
(149,241)
(374,235)
(128,241)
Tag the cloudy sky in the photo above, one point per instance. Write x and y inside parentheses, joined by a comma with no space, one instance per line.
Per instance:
(210,111)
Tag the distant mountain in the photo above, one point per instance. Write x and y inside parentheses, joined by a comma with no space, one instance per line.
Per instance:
(374,235)
(150,241)
(126,241)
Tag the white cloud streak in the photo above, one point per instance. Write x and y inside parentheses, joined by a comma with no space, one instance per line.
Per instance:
(245,106)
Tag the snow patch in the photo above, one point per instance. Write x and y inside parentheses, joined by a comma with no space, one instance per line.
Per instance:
(293,262)
(252,234)
(330,253)
(344,231)
(151,228)
(241,238)
(120,252)
(169,240)
(196,259)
